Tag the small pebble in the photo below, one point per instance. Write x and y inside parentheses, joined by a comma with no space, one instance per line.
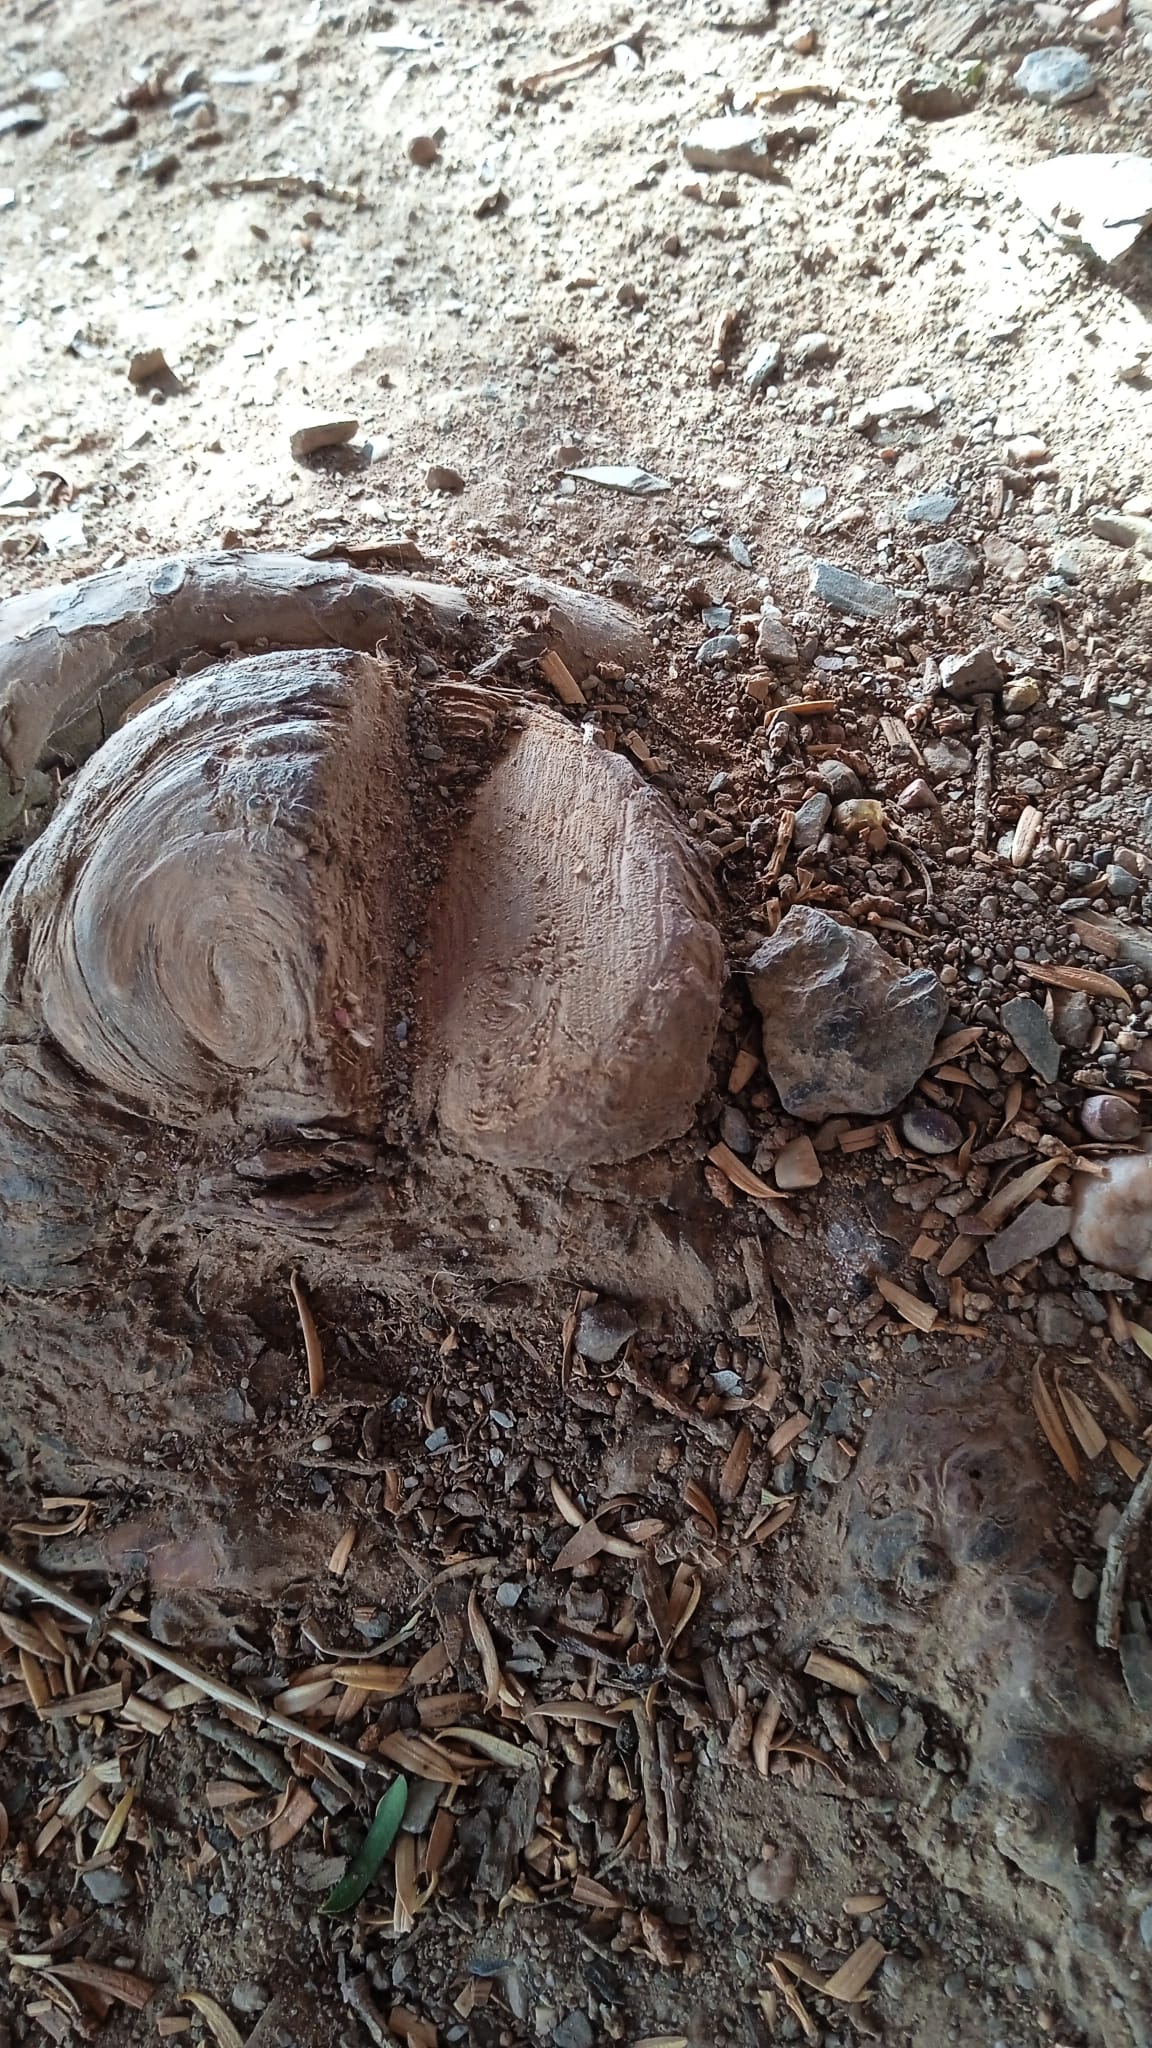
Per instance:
(1110,1120)
(448,481)
(603,1330)
(773,1881)
(423,150)
(931,1130)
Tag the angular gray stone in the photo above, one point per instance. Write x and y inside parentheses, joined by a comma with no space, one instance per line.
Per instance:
(603,1330)
(1029,1030)
(1057,1321)
(764,366)
(575,2030)
(1029,1235)
(811,819)
(731,142)
(1073,1023)
(931,508)
(967,675)
(107,1887)
(843,591)
(774,640)
(736,1132)
(951,565)
(847,1030)
(841,781)
(948,760)
(1056,77)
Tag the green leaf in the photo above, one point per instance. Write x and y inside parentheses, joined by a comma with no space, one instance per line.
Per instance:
(377,1842)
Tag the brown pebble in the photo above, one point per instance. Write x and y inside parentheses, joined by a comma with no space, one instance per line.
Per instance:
(919,796)
(773,1881)
(423,150)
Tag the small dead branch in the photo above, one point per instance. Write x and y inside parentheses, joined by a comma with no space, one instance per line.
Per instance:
(166,1660)
(1121,1544)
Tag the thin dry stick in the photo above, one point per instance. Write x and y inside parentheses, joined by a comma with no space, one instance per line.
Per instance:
(982,787)
(1121,1544)
(311,1335)
(166,1660)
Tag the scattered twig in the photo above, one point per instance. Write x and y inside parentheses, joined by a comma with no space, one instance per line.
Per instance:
(671,1404)
(982,786)
(166,1660)
(654,1807)
(312,1348)
(1121,1544)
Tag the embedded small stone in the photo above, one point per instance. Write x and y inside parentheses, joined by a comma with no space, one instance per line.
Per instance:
(811,818)
(603,1330)
(798,1166)
(1110,1120)
(1056,77)
(1029,1030)
(1029,1235)
(773,1881)
(858,815)
(931,1130)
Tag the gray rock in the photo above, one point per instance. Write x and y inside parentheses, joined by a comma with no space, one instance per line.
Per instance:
(321,433)
(575,2030)
(158,165)
(1073,1022)
(1121,532)
(1110,1120)
(248,1997)
(951,565)
(774,640)
(967,675)
(731,142)
(119,127)
(448,481)
(107,1887)
(1029,1235)
(831,1463)
(1056,77)
(764,366)
(772,1882)
(1057,1321)
(847,1030)
(1145,1926)
(1121,884)
(811,819)
(931,508)
(931,1130)
(603,1330)
(948,759)
(738,551)
(1028,1028)
(843,591)
(1084,1582)
(813,348)
(736,1132)
(899,402)
(841,781)
(715,652)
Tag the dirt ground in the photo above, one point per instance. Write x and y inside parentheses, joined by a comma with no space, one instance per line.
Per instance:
(700,1826)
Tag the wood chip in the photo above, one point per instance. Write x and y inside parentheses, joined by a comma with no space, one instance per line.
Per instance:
(735,1472)
(1084,1426)
(1085,979)
(864,1902)
(853,1977)
(696,1499)
(742,1176)
(787,1434)
(1014,1192)
(743,1067)
(559,677)
(1025,836)
(214,2017)
(834,1671)
(920,1314)
(104,1699)
(1129,1463)
(1048,1416)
